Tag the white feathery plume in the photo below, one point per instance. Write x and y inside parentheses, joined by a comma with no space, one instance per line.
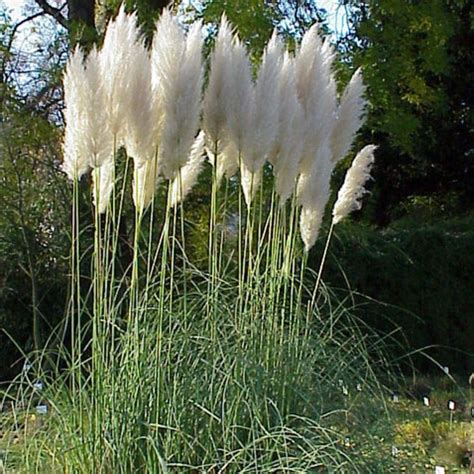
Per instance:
(240,106)
(263,130)
(313,194)
(218,88)
(306,56)
(115,59)
(87,142)
(76,159)
(188,174)
(249,181)
(145,182)
(228,158)
(100,144)
(102,185)
(351,192)
(178,77)
(99,139)
(311,219)
(140,119)
(316,91)
(288,147)
(350,116)
(241,114)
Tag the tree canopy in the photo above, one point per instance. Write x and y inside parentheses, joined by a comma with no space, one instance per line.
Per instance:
(418,65)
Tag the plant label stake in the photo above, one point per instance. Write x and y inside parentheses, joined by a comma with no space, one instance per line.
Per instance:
(42,409)
(451,408)
(426,401)
(440,470)
(395,398)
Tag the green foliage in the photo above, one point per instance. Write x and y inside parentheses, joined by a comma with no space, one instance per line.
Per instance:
(419,69)
(248,398)
(253,19)
(33,228)
(416,276)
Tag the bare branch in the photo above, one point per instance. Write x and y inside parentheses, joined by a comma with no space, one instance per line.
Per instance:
(54,12)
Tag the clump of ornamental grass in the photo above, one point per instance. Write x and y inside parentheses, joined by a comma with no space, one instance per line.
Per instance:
(229,366)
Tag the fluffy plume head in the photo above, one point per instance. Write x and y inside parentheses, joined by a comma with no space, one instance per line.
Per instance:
(316,91)
(76,159)
(288,146)
(218,91)
(116,60)
(349,117)
(178,76)
(227,158)
(87,141)
(250,182)
(306,57)
(102,185)
(240,106)
(100,143)
(311,219)
(140,119)
(189,173)
(351,192)
(263,130)
(145,182)
(313,195)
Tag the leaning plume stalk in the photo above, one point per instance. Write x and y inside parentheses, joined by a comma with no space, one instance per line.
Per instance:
(76,161)
(350,117)
(178,78)
(115,59)
(352,191)
(189,173)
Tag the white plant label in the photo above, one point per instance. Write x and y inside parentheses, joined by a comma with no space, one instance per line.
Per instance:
(42,409)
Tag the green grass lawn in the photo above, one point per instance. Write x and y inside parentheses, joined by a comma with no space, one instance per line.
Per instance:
(416,439)
(421,437)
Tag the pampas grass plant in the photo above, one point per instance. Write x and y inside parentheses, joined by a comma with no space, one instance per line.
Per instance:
(180,367)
